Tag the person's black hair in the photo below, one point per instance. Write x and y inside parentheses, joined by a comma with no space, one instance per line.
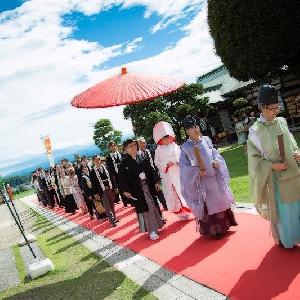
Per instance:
(267,95)
(112,143)
(127,142)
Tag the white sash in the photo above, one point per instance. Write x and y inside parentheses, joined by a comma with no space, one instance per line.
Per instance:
(100,179)
(150,158)
(112,155)
(88,181)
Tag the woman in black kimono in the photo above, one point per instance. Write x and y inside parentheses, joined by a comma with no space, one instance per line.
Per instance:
(138,182)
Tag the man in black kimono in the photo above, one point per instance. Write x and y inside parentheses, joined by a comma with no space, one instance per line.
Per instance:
(103,185)
(138,182)
(113,161)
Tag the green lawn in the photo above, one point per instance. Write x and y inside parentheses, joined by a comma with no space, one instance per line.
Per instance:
(237,165)
(24,194)
(79,274)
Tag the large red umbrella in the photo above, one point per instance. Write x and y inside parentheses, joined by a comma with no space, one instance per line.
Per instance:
(126,88)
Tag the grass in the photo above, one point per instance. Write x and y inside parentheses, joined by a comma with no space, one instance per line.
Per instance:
(238,167)
(19,263)
(78,274)
(24,194)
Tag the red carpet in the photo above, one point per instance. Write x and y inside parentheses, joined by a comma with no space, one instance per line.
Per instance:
(244,265)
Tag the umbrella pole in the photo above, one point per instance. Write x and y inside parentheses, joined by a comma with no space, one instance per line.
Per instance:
(133,127)
(17,215)
(20,226)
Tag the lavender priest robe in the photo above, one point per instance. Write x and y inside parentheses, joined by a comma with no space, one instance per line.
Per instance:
(212,189)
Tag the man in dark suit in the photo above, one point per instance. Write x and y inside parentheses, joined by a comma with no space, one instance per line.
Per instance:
(113,161)
(43,186)
(103,185)
(148,155)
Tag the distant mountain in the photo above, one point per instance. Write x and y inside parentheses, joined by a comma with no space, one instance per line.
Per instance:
(40,160)
(28,165)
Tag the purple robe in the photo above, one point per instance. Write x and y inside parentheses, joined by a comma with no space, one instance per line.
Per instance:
(212,189)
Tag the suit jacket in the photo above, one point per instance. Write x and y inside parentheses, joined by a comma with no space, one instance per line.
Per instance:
(129,180)
(87,191)
(42,183)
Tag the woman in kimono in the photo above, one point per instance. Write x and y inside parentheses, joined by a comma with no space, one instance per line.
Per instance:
(138,182)
(77,193)
(67,189)
(240,130)
(205,182)
(167,159)
(274,170)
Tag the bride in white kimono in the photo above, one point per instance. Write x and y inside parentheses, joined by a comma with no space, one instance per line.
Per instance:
(167,160)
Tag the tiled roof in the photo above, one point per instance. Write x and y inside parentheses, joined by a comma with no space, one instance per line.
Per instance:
(219,79)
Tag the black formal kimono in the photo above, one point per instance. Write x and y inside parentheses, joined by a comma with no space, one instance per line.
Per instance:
(103,185)
(137,177)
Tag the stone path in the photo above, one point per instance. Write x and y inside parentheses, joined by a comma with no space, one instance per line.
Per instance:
(161,282)
(9,276)
(9,236)
(9,232)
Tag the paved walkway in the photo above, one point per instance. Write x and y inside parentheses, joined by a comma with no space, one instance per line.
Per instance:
(163,283)
(9,232)
(9,276)
(9,236)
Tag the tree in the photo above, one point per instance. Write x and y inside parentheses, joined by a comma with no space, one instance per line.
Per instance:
(241,106)
(77,157)
(171,108)
(104,133)
(256,38)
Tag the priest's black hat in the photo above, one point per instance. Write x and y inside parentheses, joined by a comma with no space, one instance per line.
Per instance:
(267,95)
(189,121)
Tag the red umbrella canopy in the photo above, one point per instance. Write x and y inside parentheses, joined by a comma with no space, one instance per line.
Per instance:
(126,88)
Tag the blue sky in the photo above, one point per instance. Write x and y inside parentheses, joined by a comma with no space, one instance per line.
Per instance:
(51,50)
(117,25)
(9,4)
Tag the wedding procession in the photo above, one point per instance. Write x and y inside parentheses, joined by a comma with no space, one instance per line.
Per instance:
(150,150)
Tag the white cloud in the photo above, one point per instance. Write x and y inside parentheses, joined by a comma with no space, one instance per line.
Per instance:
(42,68)
(190,57)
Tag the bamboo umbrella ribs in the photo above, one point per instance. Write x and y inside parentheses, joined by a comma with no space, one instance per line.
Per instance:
(126,88)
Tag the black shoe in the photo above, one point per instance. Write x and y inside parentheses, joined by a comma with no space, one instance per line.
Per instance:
(218,236)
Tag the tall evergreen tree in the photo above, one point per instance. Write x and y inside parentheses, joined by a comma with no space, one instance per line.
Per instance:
(256,38)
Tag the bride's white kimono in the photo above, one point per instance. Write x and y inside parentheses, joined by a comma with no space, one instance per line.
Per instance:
(170,176)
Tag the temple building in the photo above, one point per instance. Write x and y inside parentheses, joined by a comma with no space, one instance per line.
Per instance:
(222,90)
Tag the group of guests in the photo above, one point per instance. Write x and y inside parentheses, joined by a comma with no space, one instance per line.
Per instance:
(88,186)
(242,126)
(188,180)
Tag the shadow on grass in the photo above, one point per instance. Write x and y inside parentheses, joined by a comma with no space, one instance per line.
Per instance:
(98,282)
